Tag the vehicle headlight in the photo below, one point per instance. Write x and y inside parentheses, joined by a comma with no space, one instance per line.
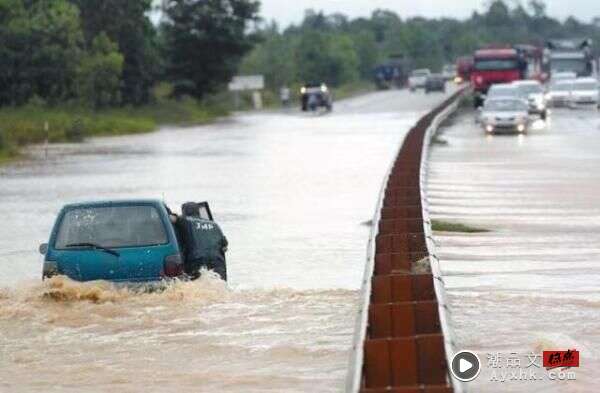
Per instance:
(324,88)
(303,90)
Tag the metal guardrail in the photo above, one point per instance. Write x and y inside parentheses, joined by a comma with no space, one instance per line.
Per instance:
(436,269)
(357,360)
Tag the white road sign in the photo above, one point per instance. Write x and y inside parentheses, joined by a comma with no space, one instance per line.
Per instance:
(249,82)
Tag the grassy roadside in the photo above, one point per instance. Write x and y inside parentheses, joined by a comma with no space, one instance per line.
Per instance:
(353,89)
(444,226)
(68,123)
(26,125)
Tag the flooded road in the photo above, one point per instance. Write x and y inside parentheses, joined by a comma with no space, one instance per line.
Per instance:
(291,192)
(532,283)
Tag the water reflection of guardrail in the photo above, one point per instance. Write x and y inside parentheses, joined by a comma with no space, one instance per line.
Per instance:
(403,338)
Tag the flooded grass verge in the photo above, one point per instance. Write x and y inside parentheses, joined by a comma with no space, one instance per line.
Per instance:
(445,226)
(37,123)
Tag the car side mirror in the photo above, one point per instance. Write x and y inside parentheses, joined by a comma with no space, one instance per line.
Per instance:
(43,248)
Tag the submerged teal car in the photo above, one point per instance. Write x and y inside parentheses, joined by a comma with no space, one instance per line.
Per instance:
(123,241)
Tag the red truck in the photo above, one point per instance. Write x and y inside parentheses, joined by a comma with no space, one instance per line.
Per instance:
(493,66)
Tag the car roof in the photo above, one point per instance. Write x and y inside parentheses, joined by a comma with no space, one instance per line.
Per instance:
(529,82)
(503,86)
(504,98)
(122,202)
(585,80)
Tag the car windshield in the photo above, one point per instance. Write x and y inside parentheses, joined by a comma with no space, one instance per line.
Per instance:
(585,86)
(531,89)
(496,65)
(562,87)
(577,66)
(505,105)
(503,92)
(112,227)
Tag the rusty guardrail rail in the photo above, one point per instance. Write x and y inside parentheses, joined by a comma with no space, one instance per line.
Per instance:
(403,340)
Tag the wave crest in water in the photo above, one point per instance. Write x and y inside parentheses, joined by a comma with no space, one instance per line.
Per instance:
(64,294)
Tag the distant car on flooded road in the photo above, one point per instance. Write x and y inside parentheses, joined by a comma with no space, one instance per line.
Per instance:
(499,115)
(584,92)
(418,79)
(134,241)
(435,82)
(314,96)
(559,93)
(504,90)
(533,92)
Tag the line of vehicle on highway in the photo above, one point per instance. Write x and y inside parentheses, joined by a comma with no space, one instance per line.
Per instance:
(512,107)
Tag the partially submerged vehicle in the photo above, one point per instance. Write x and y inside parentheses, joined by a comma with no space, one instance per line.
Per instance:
(505,114)
(314,96)
(137,241)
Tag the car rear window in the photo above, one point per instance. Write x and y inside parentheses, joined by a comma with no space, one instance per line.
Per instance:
(505,105)
(531,89)
(112,227)
(585,86)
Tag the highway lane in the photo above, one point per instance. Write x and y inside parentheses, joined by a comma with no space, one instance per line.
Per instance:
(290,190)
(532,282)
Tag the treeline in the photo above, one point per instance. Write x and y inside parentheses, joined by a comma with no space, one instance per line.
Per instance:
(339,50)
(108,53)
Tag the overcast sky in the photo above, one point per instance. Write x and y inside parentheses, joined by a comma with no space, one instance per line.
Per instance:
(291,11)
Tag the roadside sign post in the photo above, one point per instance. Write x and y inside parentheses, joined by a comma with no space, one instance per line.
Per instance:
(254,83)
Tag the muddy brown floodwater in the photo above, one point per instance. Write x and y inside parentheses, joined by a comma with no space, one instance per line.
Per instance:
(291,191)
(533,282)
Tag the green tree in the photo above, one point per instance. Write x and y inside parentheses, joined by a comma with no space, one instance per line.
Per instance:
(127,24)
(273,58)
(40,42)
(205,41)
(99,73)
(328,58)
(367,51)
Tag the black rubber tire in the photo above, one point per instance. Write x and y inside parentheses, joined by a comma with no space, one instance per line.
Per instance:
(544,115)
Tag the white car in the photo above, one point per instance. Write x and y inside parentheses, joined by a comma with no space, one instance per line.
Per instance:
(418,79)
(561,76)
(505,115)
(584,92)
(503,90)
(533,92)
(559,93)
